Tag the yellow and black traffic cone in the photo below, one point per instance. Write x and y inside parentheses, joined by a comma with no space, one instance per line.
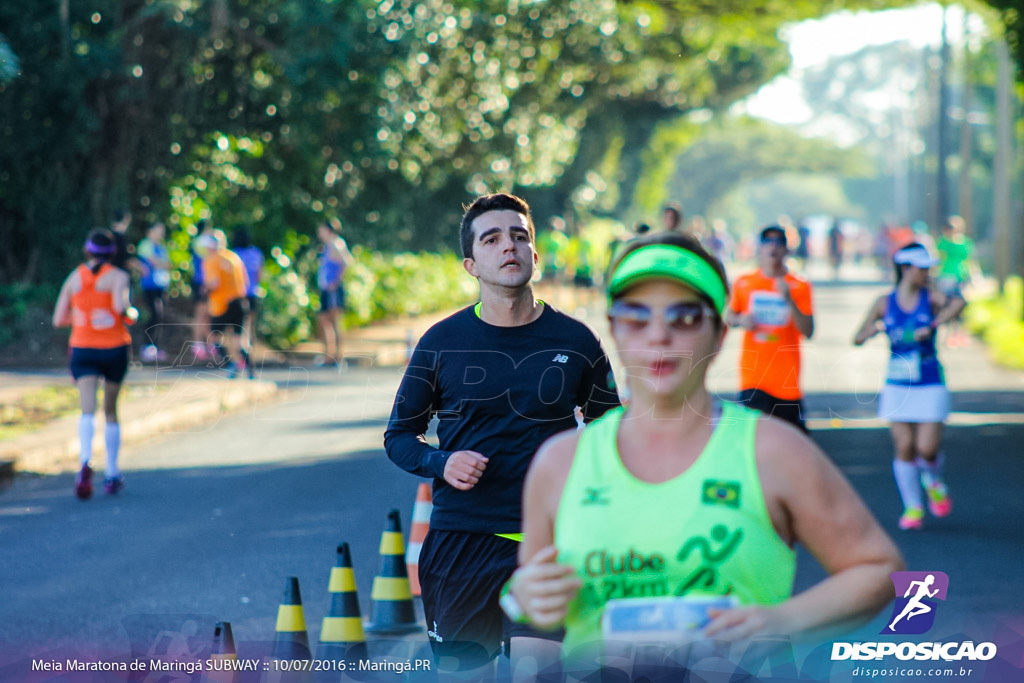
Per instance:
(393,611)
(341,632)
(291,640)
(420,526)
(221,668)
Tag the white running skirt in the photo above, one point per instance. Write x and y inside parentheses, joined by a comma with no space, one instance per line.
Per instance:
(900,403)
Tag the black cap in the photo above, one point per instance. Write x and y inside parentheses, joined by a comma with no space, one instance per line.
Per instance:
(766,231)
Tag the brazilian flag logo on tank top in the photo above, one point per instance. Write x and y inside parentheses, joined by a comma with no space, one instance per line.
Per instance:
(721,493)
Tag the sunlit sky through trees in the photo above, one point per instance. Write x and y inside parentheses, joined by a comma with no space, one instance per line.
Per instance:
(814,42)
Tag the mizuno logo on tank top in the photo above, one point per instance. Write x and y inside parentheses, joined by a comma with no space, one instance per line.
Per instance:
(704,533)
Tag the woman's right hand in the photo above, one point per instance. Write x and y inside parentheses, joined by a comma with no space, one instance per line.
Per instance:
(544,588)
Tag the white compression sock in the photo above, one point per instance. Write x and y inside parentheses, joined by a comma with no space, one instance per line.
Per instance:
(86,429)
(113,439)
(908,484)
(931,472)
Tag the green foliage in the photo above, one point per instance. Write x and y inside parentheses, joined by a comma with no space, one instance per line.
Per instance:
(734,151)
(277,113)
(287,312)
(764,200)
(1013,18)
(13,305)
(669,142)
(379,286)
(25,316)
(389,114)
(998,320)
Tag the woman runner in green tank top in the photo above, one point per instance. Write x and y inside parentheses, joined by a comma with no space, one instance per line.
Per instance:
(677,496)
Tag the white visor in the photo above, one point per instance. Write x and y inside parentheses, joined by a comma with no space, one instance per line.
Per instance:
(917,257)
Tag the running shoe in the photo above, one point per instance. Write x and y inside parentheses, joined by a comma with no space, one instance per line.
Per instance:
(83,483)
(939,503)
(912,518)
(232,370)
(113,484)
(149,354)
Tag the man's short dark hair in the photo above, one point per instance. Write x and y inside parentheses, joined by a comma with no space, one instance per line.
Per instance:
(492,202)
(676,209)
(768,230)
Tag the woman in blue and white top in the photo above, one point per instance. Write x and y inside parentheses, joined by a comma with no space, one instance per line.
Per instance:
(335,257)
(156,278)
(914,398)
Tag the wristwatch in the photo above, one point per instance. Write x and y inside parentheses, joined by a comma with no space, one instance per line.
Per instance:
(511,607)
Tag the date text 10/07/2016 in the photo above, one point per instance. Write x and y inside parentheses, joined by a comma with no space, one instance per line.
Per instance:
(233,664)
(384,665)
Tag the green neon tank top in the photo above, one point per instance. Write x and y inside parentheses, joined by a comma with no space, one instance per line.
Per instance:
(704,533)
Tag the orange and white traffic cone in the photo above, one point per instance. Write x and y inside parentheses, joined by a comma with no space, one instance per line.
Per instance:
(420,526)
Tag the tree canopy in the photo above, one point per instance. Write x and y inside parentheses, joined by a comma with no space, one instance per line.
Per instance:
(389,114)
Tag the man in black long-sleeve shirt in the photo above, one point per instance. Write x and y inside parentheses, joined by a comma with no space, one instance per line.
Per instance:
(501,377)
(124,256)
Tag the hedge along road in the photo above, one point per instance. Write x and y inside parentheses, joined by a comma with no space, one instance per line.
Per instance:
(215,518)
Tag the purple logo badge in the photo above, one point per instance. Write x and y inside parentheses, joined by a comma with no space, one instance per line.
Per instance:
(917,594)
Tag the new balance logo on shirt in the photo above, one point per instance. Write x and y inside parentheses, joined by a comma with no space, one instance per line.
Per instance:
(560,358)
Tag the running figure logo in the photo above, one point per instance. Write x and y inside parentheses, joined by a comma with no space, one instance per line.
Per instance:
(914,613)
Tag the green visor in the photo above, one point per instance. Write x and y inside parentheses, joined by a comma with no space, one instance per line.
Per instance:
(664,261)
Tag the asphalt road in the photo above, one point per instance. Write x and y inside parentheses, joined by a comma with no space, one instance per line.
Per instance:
(214,520)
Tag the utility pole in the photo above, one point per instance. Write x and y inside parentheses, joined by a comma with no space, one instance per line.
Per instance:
(941,178)
(966,193)
(1001,246)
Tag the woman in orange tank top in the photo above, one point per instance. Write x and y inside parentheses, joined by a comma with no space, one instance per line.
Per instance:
(94,303)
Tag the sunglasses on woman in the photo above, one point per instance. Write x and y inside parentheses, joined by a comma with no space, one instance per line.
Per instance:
(686,316)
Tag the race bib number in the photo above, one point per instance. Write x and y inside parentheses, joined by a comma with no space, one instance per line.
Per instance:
(905,367)
(769,309)
(666,619)
(101,319)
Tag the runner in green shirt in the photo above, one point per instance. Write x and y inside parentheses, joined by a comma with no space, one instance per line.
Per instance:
(677,495)
(956,254)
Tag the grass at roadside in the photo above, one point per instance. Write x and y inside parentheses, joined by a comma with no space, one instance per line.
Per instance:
(38,407)
(997,320)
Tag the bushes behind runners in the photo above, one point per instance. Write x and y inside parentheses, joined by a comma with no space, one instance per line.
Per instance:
(997,319)
(377,287)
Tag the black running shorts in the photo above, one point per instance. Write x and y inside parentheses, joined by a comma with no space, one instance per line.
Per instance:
(233,317)
(332,299)
(110,364)
(790,410)
(461,575)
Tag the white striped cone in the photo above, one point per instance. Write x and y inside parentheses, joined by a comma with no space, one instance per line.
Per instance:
(420,525)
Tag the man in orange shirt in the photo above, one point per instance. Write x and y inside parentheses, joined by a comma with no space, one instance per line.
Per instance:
(225,282)
(774,307)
